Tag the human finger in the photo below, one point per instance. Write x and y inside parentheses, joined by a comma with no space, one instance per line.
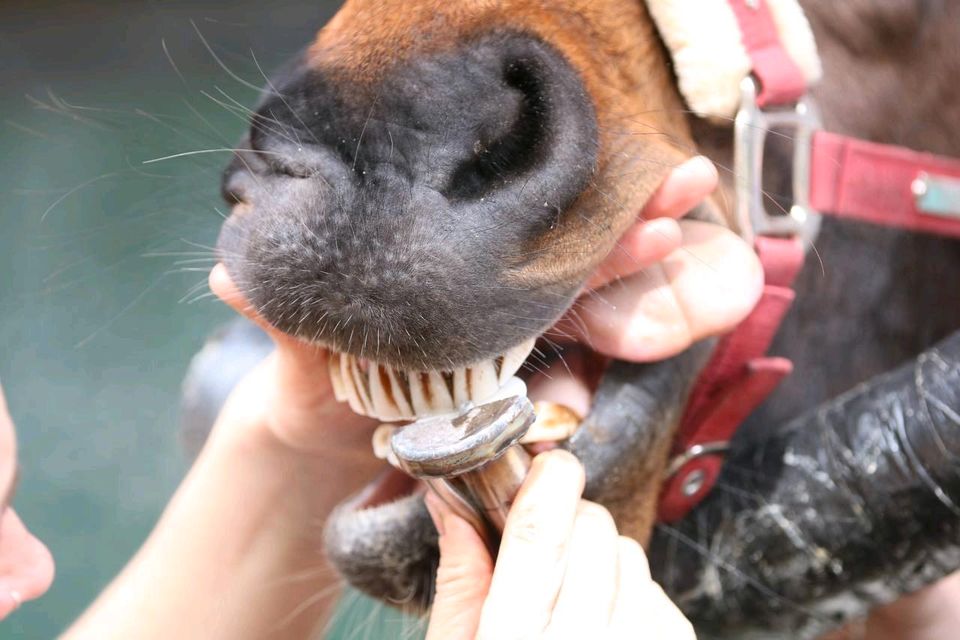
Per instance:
(704,288)
(643,244)
(685,187)
(291,391)
(463,576)
(26,566)
(589,590)
(641,602)
(655,233)
(533,550)
(8,453)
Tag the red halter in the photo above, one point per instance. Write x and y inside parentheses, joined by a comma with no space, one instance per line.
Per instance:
(833,175)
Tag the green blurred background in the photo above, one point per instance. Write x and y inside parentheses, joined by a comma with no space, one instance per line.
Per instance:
(103,260)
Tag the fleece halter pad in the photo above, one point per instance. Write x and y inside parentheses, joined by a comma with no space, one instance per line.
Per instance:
(711,59)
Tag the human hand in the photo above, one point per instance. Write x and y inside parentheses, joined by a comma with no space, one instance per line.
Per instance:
(26,566)
(668,282)
(290,395)
(247,521)
(562,571)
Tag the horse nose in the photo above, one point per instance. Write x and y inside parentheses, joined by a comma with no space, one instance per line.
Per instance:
(388,214)
(514,120)
(502,112)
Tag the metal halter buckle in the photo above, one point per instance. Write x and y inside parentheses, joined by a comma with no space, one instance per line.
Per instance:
(694,452)
(750,132)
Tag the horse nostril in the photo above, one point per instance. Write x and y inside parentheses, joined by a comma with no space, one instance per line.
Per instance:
(529,136)
(512,142)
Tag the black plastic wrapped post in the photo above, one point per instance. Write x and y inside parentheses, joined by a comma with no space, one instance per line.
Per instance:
(846,507)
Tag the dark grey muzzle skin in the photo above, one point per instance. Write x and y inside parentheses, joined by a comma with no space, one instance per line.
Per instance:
(403,222)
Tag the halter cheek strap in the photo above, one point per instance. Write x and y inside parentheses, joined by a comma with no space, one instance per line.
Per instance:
(885,184)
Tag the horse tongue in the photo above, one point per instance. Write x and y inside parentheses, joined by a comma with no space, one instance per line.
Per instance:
(565,381)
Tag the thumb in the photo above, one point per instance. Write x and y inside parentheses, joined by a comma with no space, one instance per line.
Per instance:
(463,578)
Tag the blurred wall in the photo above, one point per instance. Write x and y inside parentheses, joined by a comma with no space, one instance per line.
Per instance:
(103,257)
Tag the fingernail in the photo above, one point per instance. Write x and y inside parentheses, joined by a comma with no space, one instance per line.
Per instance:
(559,463)
(434,509)
(699,164)
(561,458)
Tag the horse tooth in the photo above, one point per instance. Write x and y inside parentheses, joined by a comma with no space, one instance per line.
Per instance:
(360,383)
(400,390)
(381,440)
(381,444)
(461,391)
(447,377)
(441,398)
(513,359)
(381,394)
(429,393)
(336,380)
(349,385)
(554,422)
(482,379)
(513,387)
(420,392)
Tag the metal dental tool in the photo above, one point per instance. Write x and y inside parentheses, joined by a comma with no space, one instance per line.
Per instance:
(472,460)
